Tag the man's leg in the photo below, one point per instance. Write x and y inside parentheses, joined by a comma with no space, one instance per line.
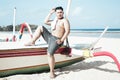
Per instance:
(36,35)
(51,62)
(52,47)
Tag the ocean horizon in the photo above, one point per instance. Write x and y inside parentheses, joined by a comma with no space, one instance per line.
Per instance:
(96,29)
(110,33)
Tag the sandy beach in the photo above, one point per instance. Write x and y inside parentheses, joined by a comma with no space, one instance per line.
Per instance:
(96,68)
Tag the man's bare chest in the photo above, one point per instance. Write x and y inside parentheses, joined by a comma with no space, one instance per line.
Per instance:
(59,24)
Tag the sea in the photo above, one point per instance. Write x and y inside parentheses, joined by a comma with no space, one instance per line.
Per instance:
(110,33)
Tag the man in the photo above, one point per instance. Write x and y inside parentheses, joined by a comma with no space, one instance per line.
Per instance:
(60,31)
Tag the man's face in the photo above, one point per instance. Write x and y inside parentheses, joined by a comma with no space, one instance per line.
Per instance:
(59,13)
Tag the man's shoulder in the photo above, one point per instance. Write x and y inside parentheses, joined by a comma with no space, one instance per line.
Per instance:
(65,19)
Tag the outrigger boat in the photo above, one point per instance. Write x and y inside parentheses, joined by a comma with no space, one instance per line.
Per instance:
(18,59)
(32,59)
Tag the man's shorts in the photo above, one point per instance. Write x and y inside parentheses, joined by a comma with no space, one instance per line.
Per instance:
(51,40)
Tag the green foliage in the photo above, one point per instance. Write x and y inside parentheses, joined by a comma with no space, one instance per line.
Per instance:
(17,27)
(1,29)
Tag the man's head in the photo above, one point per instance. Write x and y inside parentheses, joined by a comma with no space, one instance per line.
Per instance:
(59,12)
(58,8)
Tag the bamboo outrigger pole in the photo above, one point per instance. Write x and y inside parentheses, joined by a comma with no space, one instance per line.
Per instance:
(14,19)
(101,53)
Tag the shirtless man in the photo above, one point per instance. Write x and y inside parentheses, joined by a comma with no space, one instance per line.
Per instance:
(60,31)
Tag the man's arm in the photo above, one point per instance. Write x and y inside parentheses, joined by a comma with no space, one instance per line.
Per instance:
(67,30)
(47,19)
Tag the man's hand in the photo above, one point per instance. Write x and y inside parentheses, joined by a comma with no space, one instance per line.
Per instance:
(59,41)
(47,19)
(52,11)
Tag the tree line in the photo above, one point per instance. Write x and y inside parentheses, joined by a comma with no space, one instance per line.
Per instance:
(17,27)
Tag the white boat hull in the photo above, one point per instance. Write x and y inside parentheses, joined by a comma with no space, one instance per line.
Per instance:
(31,60)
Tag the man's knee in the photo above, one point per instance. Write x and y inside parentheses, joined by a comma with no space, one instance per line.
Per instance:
(40,28)
(50,54)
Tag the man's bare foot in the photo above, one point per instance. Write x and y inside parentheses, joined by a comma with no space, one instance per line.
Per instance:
(30,44)
(52,76)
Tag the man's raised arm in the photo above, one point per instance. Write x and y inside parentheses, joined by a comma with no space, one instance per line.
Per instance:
(47,19)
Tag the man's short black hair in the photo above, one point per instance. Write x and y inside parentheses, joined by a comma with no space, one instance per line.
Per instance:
(59,8)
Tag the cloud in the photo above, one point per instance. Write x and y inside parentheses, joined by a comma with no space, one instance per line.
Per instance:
(76,11)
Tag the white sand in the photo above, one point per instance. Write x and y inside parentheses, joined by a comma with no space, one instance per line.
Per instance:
(98,68)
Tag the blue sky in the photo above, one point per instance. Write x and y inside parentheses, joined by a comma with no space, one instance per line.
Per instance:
(83,13)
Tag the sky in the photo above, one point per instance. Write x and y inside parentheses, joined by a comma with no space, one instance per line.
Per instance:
(82,14)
